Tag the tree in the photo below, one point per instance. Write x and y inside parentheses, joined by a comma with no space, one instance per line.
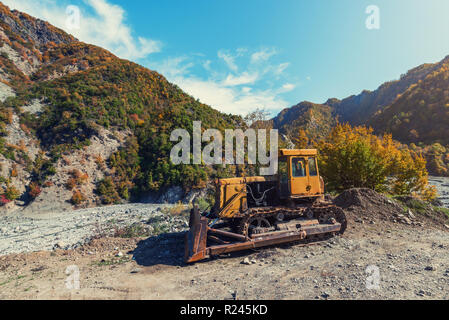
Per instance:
(257,119)
(301,140)
(356,158)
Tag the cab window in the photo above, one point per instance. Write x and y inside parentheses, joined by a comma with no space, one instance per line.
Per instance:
(298,167)
(312,167)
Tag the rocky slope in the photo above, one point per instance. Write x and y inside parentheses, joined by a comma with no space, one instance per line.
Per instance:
(81,127)
(315,119)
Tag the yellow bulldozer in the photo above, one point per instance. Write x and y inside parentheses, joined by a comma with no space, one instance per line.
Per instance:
(254,212)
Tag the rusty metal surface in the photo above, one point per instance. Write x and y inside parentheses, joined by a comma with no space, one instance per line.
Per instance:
(306,222)
(196,238)
(276,238)
(227,234)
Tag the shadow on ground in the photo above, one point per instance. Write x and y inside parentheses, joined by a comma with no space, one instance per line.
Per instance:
(168,249)
(165,249)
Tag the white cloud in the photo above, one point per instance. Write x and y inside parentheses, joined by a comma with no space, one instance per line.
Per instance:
(244,78)
(263,55)
(229,59)
(235,92)
(206,65)
(106,27)
(231,100)
(278,70)
(174,67)
(287,87)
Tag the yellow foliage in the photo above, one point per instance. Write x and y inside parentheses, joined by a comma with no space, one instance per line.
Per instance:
(356,158)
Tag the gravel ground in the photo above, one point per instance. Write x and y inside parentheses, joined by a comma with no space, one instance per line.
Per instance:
(411,263)
(377,258)
(69,230)
(442,184)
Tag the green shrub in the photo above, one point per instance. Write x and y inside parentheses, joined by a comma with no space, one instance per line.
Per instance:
(106,189)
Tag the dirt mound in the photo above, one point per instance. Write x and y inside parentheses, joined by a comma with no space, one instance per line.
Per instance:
(368,204)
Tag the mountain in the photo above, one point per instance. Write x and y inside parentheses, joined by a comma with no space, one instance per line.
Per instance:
(315,119)
(79,126)
(421,113)
(414,109)
(358,108)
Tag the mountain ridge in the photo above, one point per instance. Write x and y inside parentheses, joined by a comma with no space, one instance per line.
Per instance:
(414,109)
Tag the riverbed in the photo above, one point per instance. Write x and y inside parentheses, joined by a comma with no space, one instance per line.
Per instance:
(442,184)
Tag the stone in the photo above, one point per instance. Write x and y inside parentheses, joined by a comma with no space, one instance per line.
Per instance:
(59,245)
(246,261)
(325,295)
(120,254)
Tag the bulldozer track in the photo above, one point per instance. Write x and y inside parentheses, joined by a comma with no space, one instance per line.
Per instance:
(323,213)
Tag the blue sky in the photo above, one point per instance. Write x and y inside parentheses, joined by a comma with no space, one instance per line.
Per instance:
(247,54)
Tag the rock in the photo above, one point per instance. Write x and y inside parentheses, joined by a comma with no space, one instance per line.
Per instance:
(406,221)
(430,268)
(172,195)
(446,226)
(411,215)
(246,261)
(119,255)
(136,270)
(59,245)
(423,293)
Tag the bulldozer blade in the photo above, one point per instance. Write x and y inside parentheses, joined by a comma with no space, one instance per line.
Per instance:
(196,237)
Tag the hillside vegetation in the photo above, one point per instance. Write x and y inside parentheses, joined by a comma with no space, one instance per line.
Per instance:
(83,90)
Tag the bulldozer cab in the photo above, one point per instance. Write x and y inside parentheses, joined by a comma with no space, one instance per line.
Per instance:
(298,174)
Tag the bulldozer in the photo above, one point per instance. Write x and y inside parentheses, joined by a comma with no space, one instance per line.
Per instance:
(255,212)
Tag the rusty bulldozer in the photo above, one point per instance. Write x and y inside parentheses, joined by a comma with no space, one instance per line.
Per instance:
(255,212)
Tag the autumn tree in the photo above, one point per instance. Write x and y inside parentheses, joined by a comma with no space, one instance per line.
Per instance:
(301,140)
(356,158)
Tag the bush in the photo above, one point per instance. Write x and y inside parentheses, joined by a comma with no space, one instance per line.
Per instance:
(76,178)
(77,198)
(108,192)
(356,158)
(34,190)
(3,200)
(71,183)
(11,193)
